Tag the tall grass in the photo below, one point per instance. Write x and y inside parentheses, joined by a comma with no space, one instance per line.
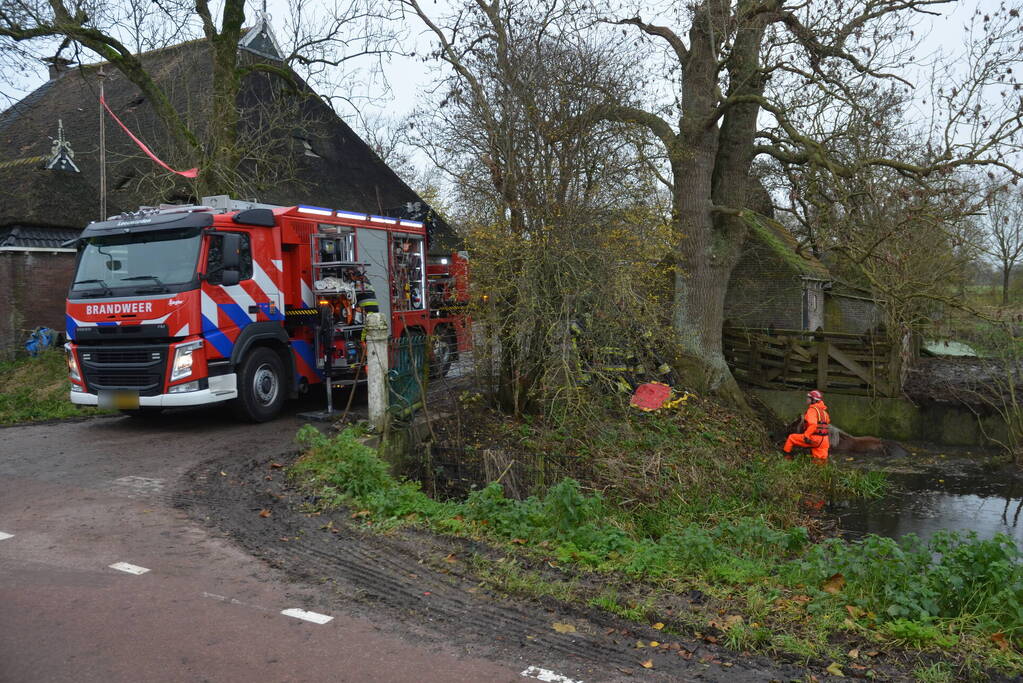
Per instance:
(928,591)
(36,389)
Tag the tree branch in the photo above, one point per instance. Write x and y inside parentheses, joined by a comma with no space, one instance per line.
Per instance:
(672,38)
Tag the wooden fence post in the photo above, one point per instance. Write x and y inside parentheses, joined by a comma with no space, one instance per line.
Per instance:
(822,364)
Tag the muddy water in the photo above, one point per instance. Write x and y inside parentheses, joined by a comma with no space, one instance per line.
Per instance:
(923,502)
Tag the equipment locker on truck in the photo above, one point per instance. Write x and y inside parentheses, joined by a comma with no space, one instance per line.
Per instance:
(242,302)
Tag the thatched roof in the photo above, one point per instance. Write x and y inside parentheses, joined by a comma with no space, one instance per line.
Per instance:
(330,165)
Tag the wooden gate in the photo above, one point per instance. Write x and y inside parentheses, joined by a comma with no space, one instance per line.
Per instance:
(829,361)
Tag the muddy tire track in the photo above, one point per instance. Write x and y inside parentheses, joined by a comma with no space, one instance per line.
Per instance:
(393,579)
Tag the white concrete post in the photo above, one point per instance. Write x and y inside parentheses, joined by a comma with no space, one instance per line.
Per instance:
(376,370)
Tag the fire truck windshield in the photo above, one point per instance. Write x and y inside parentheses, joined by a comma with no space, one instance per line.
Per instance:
(137,263)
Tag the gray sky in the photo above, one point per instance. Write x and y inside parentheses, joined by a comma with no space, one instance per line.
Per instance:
(408,76)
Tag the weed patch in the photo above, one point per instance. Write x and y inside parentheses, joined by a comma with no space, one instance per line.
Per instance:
(799,595)
(36,389)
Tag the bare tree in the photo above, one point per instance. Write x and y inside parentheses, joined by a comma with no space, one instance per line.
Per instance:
(319,38)
(742,73)
(1003,229)
(563,228)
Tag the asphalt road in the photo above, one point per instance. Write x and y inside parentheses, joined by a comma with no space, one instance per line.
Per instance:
(78,497)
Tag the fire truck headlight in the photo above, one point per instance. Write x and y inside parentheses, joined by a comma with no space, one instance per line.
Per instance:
(182,366)
(72,364)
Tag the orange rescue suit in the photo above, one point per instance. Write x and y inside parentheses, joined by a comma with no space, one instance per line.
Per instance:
(815,435)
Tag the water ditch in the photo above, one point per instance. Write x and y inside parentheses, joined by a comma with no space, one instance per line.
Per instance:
(935,490)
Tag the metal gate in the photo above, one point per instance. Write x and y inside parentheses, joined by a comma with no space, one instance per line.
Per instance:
(406,380)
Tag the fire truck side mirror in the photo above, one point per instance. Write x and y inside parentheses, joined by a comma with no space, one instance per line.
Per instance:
(229,278)
(231,252)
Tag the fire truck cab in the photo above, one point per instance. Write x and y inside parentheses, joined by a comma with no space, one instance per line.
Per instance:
(243,302)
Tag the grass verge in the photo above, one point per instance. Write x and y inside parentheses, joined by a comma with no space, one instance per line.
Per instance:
(36,388)
(729,566)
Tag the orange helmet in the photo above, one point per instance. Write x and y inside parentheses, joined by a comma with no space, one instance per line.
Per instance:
(815,395)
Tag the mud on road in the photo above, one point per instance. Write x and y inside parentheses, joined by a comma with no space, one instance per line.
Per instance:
(412,583)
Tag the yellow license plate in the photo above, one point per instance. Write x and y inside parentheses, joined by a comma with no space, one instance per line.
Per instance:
(119,400)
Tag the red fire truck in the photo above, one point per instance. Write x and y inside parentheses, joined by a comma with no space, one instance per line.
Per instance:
(249,303)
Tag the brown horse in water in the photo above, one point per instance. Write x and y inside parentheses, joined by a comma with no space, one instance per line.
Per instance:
(843,442)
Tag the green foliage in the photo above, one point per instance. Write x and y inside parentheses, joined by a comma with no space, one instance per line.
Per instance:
(915,594)
(37,389)
(939,672)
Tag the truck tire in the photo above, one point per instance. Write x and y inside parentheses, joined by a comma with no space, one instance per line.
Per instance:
(260,386)
(443,351)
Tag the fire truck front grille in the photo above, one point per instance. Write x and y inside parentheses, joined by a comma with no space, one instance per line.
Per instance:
(139,368)
(107,356)
(126,380)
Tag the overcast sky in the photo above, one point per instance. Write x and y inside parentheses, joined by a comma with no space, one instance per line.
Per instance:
(409,76)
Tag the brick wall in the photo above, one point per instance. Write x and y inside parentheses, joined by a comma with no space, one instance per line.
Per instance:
(33,287)
(851,314)
(763,291)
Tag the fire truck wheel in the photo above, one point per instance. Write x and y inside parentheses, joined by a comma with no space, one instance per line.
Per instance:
(260,386)
(443,347)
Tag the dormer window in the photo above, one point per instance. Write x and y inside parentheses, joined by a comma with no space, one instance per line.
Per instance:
(308,148)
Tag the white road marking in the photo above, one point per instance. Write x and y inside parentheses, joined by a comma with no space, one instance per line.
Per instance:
(129,568)
(546,675)
(138,486)
(232,601)
(4,536)
(308,616)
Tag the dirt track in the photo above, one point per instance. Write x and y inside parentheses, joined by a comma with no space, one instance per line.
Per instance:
(409,580)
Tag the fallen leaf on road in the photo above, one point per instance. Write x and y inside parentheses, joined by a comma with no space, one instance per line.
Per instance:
(873,653)
(648,664)
(563,628)
(624,670)
(658,626)
(223,473)
(834,584)
(276,465)
(264,513)
(835,670)
(654,643)
(360,513)
(639,644)
(854,653)
(451,558)
(727,664)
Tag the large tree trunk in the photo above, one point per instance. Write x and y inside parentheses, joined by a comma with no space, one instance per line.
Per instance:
(710,167)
